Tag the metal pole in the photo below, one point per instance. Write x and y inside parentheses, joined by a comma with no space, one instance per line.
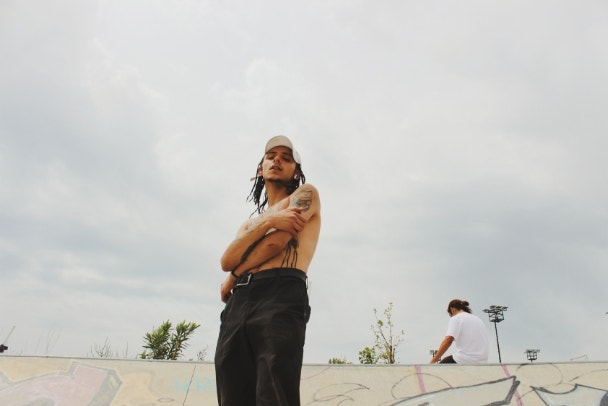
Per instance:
(497,344)
(496,315)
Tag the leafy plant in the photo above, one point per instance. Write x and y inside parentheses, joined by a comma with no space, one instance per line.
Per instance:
(167,343)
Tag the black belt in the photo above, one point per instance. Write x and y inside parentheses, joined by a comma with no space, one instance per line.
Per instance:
(247,278)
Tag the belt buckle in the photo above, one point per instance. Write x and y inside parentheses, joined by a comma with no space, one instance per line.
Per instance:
(244,283)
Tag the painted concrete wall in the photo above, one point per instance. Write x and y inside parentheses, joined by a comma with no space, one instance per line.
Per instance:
(96,382)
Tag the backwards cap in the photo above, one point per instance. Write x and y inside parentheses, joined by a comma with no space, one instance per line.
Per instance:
(283,141)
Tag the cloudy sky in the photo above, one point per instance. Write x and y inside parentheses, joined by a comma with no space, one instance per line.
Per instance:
(458,147)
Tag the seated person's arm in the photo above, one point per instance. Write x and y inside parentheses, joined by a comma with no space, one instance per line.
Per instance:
(443,347)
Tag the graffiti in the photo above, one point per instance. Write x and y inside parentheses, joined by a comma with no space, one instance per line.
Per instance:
(490,393)
(47,381)
(204,384)
(28,381)
(338,393)
(579,395)
(80,385)
(538,385)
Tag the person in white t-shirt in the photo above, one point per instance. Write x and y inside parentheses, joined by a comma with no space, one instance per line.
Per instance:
(467,332)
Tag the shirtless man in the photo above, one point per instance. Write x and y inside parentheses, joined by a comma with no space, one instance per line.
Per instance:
(258,358)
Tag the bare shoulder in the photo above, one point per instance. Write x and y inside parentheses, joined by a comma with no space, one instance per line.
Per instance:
(306,188)
(306,197)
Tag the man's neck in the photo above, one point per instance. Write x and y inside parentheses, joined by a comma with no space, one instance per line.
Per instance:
(275,192)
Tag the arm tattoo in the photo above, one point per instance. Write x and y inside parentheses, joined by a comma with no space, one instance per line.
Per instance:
(302,199)
(248,250)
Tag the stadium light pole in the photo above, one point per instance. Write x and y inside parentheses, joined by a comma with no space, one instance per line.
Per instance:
(496,315)
(3,346)
(532,354)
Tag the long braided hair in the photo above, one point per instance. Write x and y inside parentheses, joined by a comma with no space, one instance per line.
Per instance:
(255,194)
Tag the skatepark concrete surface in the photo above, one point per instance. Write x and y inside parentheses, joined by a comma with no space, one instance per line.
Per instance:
(46,381)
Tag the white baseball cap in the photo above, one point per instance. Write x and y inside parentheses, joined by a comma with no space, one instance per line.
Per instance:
(283,141)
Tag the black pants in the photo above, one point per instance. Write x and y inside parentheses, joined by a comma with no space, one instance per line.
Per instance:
(258,358)
(448,360)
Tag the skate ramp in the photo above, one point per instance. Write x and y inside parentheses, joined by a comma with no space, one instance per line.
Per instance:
(90,381)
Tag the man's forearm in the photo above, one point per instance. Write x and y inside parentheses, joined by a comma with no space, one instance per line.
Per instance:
(443,347)
(262,251)
(243,245)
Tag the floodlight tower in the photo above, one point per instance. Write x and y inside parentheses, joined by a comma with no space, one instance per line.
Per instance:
(496,315)
(532,354)
(3,346)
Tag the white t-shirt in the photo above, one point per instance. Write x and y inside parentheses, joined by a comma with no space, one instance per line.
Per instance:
(470,337)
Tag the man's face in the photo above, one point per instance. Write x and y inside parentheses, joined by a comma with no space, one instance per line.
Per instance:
(278,165)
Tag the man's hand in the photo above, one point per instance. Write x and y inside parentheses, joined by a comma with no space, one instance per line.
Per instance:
(226,287)
(289,219)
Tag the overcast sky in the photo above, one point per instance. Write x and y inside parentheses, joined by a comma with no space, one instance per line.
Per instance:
(458,148)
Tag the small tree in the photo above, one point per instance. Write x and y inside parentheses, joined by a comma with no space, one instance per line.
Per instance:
(385,341)
(368,356)
(166,343)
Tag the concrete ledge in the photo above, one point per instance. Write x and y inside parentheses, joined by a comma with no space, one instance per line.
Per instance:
(92,381)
